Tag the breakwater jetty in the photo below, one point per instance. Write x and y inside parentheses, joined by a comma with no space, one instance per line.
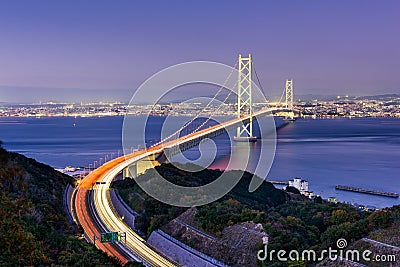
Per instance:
(278,182)
(367,191)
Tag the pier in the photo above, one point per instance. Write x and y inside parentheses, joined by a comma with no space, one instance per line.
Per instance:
(367,191)
(278,182)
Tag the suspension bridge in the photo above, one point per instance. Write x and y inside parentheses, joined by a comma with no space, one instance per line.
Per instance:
(92,209)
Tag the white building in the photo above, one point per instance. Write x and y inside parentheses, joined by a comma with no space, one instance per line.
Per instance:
(302,186)
(299,184)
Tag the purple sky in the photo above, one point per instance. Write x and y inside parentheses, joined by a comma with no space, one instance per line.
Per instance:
(327,47)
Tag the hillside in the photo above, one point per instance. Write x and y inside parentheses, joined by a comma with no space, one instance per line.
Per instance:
(155,214)
(290,220)
(34,229)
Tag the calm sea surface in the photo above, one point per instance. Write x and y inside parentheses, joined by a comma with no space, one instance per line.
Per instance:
(326,152)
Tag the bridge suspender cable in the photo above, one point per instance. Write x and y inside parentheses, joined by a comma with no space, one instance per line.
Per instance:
(216,110)
(259,83)
(199,113)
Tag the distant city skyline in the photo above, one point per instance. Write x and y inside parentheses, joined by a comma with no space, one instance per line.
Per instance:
(102,49)
(27,95)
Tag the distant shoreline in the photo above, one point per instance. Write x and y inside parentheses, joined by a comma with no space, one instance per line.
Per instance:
(187,115)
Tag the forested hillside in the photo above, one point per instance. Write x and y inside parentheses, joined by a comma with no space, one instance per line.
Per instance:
(34,230)
(292,221)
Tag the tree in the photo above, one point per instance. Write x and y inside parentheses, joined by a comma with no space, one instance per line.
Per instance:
(380,219)
(339,217)
(293,190)
(297,264)
(318,199)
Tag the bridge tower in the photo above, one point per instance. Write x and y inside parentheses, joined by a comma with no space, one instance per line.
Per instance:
(244,104)
(289,100)
(289,94)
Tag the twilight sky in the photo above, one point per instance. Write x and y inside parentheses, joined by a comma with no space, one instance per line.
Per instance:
(110,47)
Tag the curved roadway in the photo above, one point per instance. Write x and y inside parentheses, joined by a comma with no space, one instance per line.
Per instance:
(104,217)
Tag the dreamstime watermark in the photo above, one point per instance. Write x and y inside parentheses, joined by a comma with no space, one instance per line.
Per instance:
(152,92)
(332,254)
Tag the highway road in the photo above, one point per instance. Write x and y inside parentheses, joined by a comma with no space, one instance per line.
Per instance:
(92,228)
(136,247)
(105,219)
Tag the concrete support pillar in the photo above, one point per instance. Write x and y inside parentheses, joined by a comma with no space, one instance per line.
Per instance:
(130,172)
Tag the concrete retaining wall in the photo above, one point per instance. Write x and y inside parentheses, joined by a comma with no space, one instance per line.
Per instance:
(67,196)
(179,252)
(123,209)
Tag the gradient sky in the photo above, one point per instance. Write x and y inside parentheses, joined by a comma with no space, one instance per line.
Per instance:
(327,47)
